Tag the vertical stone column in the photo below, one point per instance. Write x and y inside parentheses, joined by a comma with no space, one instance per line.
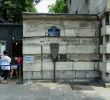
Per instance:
(104,65)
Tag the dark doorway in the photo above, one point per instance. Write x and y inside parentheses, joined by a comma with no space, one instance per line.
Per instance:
(16,49)
(17,52)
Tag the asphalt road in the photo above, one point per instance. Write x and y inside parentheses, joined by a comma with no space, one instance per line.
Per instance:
(53,91)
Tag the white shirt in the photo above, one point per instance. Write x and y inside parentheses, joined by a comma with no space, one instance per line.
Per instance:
(5,62)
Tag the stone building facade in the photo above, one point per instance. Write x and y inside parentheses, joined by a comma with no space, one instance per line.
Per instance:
(84,42)
(102,9)
(88,6)
(78,56)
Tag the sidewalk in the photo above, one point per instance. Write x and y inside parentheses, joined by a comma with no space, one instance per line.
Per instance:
(53,91)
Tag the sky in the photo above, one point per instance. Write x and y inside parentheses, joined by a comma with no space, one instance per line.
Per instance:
(42,7)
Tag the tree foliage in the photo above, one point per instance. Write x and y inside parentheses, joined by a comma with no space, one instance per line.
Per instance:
(60,6)
(11,10)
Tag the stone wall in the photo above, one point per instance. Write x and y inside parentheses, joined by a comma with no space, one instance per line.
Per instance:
(88,6)
(77,6)
(104,65)
(78,47)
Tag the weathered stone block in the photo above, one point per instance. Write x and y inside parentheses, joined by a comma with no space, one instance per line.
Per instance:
(34,49)
(62,49)
(48,75)
(105,48)
(84,66)
(32,41)
(80,24)
(105,30)
(82,57)
(33,75)
(96,64)
(80,74)
(67,75)
(46,49)
(81,32)
(70,32)
(26,75)
(64,65)
(104,66)
(33,32)
(48,66)
(33,67)
(82,49)
(92,74)
(105,77)
(36,75)
(32,24)
(108,4)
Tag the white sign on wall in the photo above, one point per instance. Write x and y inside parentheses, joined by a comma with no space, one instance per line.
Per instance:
(29,59)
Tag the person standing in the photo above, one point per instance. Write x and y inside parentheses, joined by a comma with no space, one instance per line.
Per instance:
(14,67)
(20,62)
(5,66)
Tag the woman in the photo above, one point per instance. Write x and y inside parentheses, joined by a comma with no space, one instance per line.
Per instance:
(14,67)
(5,66)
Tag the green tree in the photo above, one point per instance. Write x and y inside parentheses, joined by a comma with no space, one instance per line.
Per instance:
(11,10)
(60,6)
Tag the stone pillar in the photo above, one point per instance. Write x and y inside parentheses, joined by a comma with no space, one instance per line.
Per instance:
(104,65)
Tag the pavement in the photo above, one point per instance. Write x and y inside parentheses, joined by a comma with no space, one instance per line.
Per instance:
(54,91)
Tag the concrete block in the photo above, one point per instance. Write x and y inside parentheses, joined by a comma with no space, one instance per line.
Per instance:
(33,32)
(80,24)
(96,64)
(67,75)
(33,67)
(105,30)
(84,66)
(46,49)
(64,65)
(103,25)
(33,75)
(82,49)
(26,75)
(92,74)
(80,74)
(46,58)
(70,32)
(33,24)
(105,77)
(108,4)
(32,41)
(48,75)
(105,48)
(87,32)
(36,75)
(62,49)
(48,66)
(104,66)
(49,23)
(34,49)
(82,57)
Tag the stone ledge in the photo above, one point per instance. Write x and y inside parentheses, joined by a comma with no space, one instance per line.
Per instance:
(105,84)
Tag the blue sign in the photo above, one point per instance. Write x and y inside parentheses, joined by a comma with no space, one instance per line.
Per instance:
(53,31)
(29,59)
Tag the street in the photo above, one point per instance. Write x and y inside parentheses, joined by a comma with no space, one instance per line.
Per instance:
(53,91)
